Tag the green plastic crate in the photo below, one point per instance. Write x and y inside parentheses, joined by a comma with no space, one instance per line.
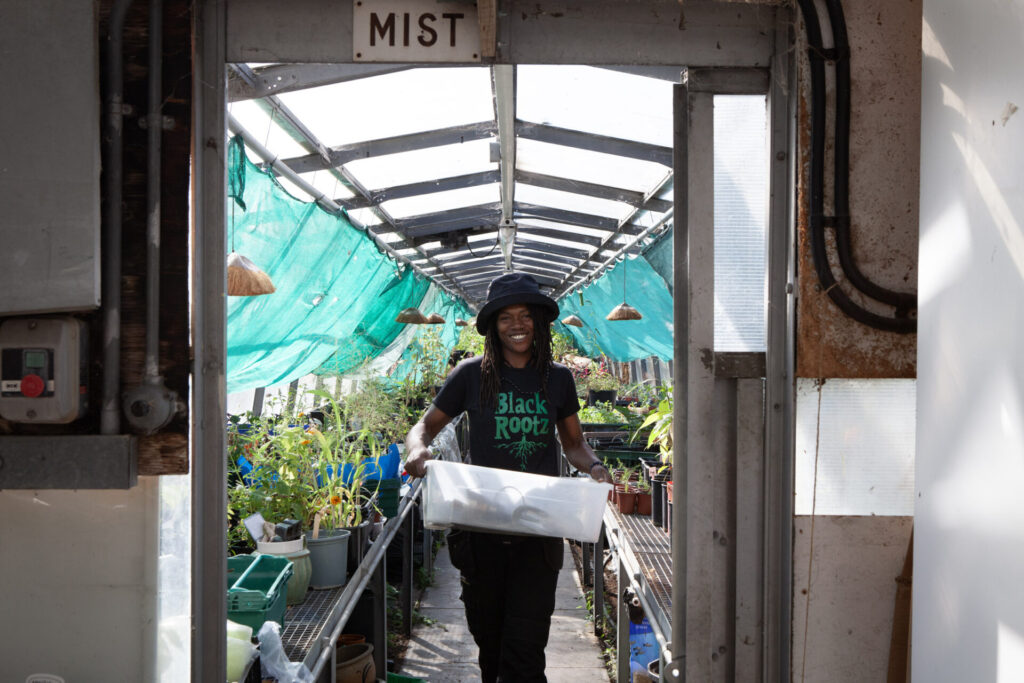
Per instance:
(387,495)
(257,585)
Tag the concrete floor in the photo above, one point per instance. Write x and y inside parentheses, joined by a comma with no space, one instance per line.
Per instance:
(444,651)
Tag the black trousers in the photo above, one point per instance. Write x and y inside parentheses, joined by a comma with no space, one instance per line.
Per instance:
(508,588)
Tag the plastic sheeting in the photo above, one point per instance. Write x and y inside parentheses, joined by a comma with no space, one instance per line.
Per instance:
(622,340)
(335,293)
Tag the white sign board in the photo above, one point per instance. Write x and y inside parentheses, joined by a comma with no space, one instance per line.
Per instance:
(414,31)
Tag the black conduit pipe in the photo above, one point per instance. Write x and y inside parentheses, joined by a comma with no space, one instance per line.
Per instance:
(830,286)
(903,301)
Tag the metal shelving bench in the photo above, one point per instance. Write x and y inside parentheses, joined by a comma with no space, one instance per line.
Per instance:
(312,628)
(643,555)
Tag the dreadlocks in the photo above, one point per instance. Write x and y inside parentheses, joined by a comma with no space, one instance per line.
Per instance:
(490,367)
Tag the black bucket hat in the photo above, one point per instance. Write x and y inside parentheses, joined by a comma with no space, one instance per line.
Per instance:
(512,288)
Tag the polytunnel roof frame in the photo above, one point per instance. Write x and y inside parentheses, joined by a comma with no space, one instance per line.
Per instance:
(576,160)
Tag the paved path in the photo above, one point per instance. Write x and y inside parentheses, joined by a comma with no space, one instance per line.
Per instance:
(444,651)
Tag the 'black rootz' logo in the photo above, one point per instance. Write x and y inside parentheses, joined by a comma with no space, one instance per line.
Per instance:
(522,450)
(521,417)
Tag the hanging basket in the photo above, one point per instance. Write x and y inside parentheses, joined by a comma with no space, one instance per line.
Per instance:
(245,278)
(572,320)
(411,316)
(624,312)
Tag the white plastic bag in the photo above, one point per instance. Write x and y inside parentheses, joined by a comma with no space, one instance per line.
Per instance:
(273,660)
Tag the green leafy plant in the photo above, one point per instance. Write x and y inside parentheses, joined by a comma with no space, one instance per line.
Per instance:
(603,412)
(660,422)
(626,475)
(642,393)
(561,345)
(601,380)
(296,471)
(470,341)
(380,409)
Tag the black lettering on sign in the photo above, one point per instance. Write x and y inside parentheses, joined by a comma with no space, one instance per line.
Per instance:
(428,35)
(453,17)
(386,30)
(405,33)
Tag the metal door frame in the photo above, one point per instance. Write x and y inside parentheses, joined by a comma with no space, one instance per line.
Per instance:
(551,37)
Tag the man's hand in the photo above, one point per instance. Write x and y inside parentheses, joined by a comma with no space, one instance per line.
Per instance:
(416,463)
(419,439)
(600,473)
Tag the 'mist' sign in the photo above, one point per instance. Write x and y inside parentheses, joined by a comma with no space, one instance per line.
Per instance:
(414,31)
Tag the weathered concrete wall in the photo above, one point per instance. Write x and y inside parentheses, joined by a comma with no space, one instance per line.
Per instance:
(844,590)
(885,40)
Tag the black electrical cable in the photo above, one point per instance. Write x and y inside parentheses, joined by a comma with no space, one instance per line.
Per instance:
(903,302)
(830,286)
(491,251)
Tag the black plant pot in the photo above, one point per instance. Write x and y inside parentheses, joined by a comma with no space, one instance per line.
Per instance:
(658,499)
(358,544)
(607,396)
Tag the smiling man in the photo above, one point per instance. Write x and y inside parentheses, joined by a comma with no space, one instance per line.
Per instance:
(517,399)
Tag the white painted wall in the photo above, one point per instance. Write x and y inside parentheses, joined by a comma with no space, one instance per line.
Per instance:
(78,583)
(968,622)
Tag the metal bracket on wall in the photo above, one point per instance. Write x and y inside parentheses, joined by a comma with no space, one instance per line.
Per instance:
(88,461)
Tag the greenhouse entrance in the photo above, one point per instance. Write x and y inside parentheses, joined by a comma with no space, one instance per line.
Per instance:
(366,189)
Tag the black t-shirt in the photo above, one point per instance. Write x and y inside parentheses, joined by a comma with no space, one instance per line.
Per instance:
(518,431)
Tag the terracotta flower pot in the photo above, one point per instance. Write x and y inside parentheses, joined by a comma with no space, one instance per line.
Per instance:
(626,502)
(643,503)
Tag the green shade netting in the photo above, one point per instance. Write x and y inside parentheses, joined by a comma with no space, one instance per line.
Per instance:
(335,293)
(622,340)
(372,335)
(436,340)
(659,255)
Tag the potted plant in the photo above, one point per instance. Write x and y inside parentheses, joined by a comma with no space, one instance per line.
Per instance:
(266,465)
(602,417)
(660,422)
(643,497)
(602,385)
(625,480)
(333,506)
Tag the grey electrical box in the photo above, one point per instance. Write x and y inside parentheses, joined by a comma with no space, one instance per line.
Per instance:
(43,370)
(50,166)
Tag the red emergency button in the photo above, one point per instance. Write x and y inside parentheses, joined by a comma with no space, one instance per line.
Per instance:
(32,385)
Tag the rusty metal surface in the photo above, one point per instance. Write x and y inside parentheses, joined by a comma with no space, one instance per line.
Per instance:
(885,39)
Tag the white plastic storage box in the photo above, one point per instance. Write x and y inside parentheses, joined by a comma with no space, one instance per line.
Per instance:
(489,499)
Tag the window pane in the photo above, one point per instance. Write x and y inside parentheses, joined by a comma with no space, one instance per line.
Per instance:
(741,181)
(595,100)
